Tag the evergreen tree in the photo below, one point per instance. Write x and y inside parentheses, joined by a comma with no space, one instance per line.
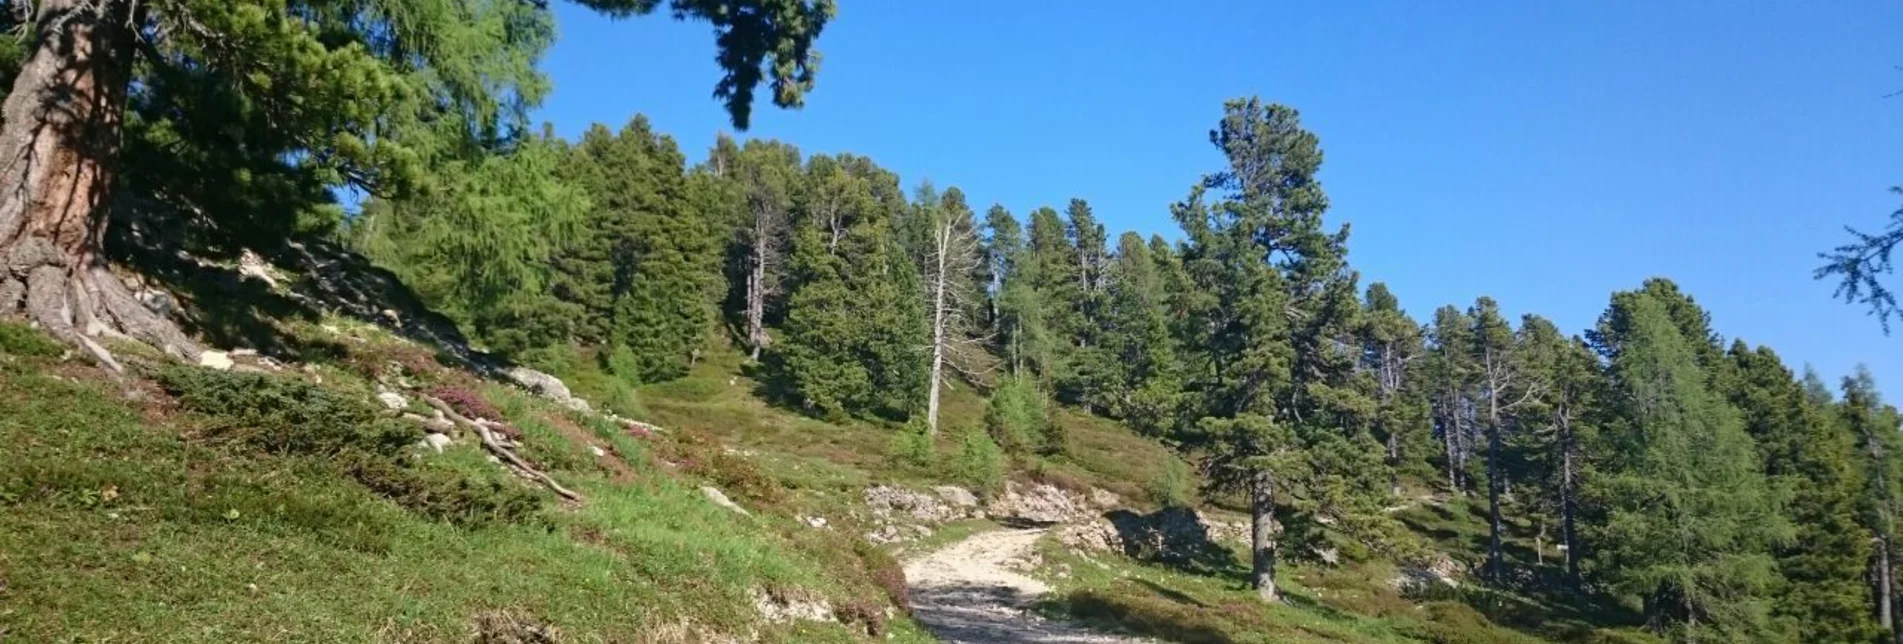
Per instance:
(1874,426)
(1503,385)
(769,177)
(1055,288)
(1824,597)
(1689,519)
(1560,422)
(1390,343)
(310,95)
(854,323)
(1277,408)
(1143,384)
(1450,370)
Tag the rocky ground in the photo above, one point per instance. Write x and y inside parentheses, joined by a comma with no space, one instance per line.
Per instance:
(971,592)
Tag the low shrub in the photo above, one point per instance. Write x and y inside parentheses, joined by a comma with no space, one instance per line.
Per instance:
(980,463)
(24,341)
(284,415)
(912,444)
(447,495)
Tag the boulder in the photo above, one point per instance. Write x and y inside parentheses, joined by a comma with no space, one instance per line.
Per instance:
(1043,503)
(547,386)
(956,496)
(215,360)
(888,502)
(392,400)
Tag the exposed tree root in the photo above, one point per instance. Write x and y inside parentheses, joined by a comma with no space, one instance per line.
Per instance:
(495,446)
(81,301)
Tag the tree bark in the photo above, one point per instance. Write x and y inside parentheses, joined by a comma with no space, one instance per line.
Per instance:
(64,121)
(1885,589)
(1495,567)
(756,284)
(939,311)
(1262,536)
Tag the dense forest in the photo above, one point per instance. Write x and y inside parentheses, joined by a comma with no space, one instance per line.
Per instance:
(1723,493)
(1727,494)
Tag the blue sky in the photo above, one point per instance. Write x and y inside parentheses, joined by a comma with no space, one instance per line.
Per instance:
(1546,154)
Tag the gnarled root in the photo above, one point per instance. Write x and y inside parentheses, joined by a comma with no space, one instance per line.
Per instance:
(78,300)
(495,446)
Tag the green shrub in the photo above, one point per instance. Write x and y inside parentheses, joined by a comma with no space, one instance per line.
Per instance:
(980,463)
(912,445)
(284,415)
(1173,487)
(1018,420)
(445,494)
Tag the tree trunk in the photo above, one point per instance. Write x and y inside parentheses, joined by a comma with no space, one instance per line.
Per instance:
(64,121)
(1495,567)
(939,311)
(1262,536)
(1885,589)
(756,288)
(1568,492)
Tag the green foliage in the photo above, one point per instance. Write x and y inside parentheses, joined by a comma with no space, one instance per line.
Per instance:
(912,444)
(1688,516)
(980,464)
(1174,487)
(1017,420)
(285,415)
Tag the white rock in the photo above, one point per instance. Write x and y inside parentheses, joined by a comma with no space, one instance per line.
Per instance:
(599,452)
(720,498)
(215,359)
(436,441)
(392,400)
(816,522)
(957,496)
(243,352)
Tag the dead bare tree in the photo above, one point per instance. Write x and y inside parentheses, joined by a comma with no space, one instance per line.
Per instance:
(952,258)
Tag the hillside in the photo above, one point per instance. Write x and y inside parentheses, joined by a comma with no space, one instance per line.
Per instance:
(289,495)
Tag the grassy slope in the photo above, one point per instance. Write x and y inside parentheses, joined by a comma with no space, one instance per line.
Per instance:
(123,521)
(129,520)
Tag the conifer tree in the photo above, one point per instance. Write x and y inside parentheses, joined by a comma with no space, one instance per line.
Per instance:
(1144,383)
(1689,520)
(1823,596)
(854,322)
(364,94)
(770,177)
(1391,344)
(1560,423)
(1056,290)
(1503,384)
(1450,370)
(1874,426)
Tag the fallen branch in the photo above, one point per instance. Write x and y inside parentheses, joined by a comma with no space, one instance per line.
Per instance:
(489,441)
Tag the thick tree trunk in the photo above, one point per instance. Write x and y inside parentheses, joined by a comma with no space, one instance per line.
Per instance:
(756,290)
(64,121)
(1262,536)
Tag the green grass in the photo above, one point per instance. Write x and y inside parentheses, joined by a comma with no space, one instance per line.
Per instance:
(157,518)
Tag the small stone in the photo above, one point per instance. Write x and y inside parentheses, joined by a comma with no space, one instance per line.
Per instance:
(816,522)
(436,441)
(243,352)
(392,400)
(720,498)
(598,451)
(215,359)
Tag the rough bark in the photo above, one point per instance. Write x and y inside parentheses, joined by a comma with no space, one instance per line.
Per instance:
(60,146)
(1568,496)
(1496,568)
(756,291)
(1262,546)
(1886,588)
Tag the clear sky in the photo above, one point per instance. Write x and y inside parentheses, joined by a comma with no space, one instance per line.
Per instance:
(1543,153)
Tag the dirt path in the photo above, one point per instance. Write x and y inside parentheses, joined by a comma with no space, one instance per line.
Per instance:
(971,593)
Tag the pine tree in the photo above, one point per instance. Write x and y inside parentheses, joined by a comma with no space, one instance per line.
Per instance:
(1143,383)
(769,177)
(1055,290)
(1823,597)
(1277,405)
(317,94)
(854,321)
(1560,423)
(1391,344)
(1504,384)
(1689,519)
(1449,369)
(1874,426)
